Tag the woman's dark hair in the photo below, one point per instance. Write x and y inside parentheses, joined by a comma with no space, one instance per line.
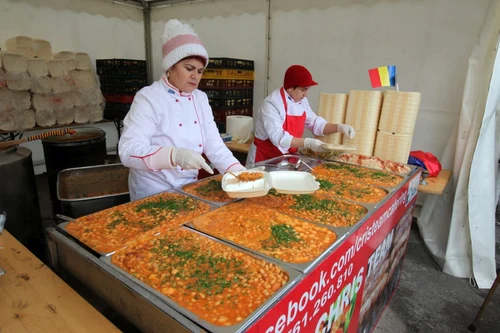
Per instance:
(199,58)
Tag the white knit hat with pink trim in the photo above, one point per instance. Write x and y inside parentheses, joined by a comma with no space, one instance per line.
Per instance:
(180,41)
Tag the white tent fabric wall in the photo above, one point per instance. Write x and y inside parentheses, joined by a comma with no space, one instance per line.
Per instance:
(338,41)
(458,228)
(100,28)
(234,29)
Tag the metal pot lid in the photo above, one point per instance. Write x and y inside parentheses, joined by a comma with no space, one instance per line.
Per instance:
(82,134)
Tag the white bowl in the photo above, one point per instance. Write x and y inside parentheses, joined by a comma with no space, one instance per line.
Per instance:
(238,189)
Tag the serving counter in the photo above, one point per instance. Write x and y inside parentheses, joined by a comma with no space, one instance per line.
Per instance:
(342,288)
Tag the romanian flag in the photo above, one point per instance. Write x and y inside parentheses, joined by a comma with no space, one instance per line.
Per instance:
(383,76)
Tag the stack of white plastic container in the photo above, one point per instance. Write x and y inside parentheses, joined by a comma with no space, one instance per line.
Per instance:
(45,89)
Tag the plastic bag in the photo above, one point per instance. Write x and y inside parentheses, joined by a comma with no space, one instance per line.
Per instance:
(431,163)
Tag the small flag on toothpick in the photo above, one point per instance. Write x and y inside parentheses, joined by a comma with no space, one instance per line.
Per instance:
(383,77)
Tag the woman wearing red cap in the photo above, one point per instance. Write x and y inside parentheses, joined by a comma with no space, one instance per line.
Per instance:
(283,117)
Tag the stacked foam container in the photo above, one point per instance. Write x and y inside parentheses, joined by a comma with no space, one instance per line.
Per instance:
(38,88)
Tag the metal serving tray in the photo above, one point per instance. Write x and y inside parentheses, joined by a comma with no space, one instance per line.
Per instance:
(214,203)
(289,162)
(240,327)
(302,267)
(62,227)
(390,189)
(404,175)
(143,309)
(74,185)
(341,233)
(412,167)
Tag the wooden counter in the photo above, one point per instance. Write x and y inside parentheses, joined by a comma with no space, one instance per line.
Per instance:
(238,147)
(35,299)
(435,185)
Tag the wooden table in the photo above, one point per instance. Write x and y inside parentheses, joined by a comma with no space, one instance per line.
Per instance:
(35,299)
(238,147)
(436,185)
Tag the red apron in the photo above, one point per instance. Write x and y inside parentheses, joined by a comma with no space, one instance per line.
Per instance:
(293,125)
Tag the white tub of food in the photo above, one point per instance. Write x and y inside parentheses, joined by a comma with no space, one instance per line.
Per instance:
(286,182)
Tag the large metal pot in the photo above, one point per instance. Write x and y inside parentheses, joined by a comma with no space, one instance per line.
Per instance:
(19,198)
(84,148)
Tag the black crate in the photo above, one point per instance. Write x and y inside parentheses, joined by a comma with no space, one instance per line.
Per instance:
(215,102)
(220,113)
(116,111)
(228,93)
(122,72)
(130,63)
(120,90)
(121,68)
(123,81)
(230,63)
(225,84)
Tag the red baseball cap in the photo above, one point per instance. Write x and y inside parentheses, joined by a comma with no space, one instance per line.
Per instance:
(298,76)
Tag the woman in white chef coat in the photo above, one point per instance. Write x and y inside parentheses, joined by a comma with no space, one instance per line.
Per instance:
(283,117)
(170,123)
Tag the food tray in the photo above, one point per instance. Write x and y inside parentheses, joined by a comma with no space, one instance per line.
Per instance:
(339,148)
(355,190)
(62,227)
(363,179)
(214,203)
(155,229)
(302,267)
(336,158)
(289,162)
(86,190)
(324,156)
(240,327)
(305,203)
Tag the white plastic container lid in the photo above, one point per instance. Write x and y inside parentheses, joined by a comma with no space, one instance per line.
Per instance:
(286,182)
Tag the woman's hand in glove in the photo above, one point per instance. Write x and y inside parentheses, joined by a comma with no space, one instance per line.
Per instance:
(170,157)
(347,130)
(189,160)
(314,145)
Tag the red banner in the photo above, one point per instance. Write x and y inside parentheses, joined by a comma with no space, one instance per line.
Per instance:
(349,289)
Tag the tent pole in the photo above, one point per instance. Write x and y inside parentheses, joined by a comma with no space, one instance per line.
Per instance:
(147,40)
(268,49)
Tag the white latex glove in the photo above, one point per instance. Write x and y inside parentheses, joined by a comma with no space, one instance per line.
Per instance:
(189,159)
(160,160)
(347,130)
(314,144)
(236,168)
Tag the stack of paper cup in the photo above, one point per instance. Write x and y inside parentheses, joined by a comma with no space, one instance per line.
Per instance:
(363,112)
(332,107)
(397,123)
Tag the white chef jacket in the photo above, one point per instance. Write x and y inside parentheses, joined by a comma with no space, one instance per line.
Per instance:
(271,117)
(161,116)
